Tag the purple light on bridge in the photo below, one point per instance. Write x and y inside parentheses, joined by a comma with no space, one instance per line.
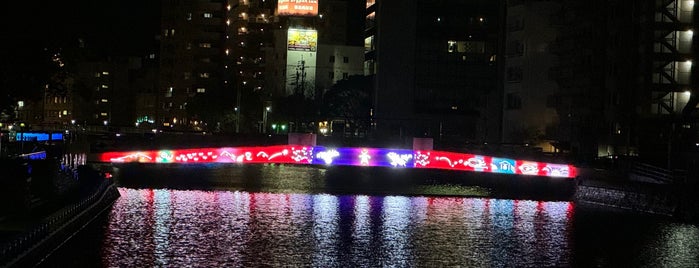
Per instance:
(348,156)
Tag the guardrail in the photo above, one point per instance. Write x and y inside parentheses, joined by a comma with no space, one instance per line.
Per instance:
(650,173)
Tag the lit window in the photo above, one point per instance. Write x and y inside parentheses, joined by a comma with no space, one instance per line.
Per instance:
(98,74)
(205,45)
(207,15)
(65,112)
(105,73)
(105,100)
(451,46)
(105,86)
(204,75)
(228,22)
(103,114)
(201,90)
(20,104)
(189,16)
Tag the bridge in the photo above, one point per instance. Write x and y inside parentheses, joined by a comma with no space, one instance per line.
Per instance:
(345,156)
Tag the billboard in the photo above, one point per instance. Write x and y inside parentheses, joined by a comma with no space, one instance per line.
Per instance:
(302,40)
(297,7)
(302,45)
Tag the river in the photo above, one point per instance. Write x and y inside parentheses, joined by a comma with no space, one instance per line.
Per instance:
(185,228)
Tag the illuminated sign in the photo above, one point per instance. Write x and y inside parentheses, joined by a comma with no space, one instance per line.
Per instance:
(297,7)
(302,45)
(318,155)
(36,136)
(302,40)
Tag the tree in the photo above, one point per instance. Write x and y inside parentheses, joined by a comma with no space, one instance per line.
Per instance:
(349,99)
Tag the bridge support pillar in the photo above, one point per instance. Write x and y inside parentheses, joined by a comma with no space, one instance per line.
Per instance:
(423,144)
(305,139)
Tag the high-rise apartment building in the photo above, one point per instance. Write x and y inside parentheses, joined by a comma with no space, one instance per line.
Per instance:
(603,78)
(236,56)
(434,66)
(528,111)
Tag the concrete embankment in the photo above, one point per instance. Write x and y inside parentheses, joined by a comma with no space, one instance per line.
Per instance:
(629,196)
(48,230)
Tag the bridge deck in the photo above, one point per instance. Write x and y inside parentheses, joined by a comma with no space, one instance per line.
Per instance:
(347,156)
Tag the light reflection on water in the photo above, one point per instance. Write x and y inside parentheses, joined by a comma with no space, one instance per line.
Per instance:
(221,228)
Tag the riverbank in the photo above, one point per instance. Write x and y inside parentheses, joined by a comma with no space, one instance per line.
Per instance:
(68,200)
(677,201)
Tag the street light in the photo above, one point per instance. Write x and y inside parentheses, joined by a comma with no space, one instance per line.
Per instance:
(264,118)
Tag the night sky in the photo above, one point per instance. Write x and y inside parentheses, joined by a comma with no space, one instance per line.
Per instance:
(125,27)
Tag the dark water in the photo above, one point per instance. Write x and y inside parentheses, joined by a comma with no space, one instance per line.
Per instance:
(282,216)
(179,228)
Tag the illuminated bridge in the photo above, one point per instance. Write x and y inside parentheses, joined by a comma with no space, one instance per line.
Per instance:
(319,155)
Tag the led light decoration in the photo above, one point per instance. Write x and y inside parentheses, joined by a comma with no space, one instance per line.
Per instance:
(555,170)
(379,157)
(399,159)
(328,156)
(364,157)
(302,155)
(502,165)
(529,168)
(422,159)
(164,156)
(132,157)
